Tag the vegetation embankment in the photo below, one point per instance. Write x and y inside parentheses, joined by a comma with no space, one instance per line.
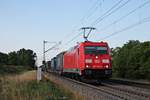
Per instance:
(17,61)
(25,87)
(12,69)
(132,60)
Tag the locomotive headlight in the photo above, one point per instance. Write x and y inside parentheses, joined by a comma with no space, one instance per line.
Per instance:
(106,66)
(105,60)
(88,60)
(87,66)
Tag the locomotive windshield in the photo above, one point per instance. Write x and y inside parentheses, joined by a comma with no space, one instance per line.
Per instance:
(95,50)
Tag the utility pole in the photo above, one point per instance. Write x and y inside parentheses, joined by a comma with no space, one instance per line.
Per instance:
(89,29)
(45,51)
(39,68)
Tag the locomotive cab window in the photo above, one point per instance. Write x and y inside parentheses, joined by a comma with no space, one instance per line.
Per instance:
(95,50)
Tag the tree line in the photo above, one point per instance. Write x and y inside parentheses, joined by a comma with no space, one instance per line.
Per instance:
(132,60)
(22,57)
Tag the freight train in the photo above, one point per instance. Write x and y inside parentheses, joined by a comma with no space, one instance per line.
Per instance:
(89,60)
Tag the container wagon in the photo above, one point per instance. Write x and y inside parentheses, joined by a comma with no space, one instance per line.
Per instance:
(60,63)
(53,64)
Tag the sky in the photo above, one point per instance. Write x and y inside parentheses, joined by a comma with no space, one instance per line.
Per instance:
(26,23)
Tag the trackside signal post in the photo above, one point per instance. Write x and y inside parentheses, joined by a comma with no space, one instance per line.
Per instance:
(89,29)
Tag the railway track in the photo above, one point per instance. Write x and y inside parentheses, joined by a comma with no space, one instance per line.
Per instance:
(102,92)
(127,92)
(131,83)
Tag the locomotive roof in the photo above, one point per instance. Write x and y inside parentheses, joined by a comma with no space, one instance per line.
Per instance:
(89,42)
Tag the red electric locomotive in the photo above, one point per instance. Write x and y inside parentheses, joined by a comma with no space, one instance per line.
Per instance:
(88,60)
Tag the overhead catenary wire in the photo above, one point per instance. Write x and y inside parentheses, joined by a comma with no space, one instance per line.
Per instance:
(110,11)
(73,39)
(102,15)
(88,14)
(68,35)
(124,16)
(92,10)
(144,20)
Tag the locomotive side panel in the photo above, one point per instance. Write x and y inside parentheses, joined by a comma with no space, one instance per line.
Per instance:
(71,61)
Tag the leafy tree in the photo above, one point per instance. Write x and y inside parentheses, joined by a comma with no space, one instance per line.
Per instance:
(132,60)
(26,57)
(22,57)
(3,58)
(12,58)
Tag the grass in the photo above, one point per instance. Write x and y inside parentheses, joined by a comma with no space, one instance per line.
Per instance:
(74,94)
(12,69)
(25,87)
